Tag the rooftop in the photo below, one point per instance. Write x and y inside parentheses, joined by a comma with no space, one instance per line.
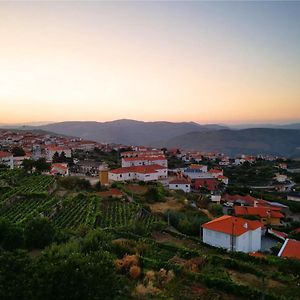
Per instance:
(232,225)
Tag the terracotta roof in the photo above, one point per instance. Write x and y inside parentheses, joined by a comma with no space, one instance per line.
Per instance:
(179,181)
(56,148)
(247,199)
(148,158)
(215,171)
(194,166)
(111,192)
(5,154)
(232,225)
(290,248)
(222,177)
(138,169)
(262,212)
(211,183)
(59,166)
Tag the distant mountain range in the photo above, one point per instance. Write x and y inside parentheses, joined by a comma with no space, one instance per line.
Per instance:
(281,142)
(274,126)
(284,141)
(127,132)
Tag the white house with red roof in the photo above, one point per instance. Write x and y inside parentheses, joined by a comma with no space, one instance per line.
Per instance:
(59,169)
(215,173)
(290,249)
(140,173)
(50,150)
(223,179)
(180,184)
(6,159)
(144,161)
(232,233)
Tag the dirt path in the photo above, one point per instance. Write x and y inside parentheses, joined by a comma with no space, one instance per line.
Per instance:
(207,213)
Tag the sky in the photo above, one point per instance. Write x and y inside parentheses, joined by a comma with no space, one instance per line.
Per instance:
(207,62)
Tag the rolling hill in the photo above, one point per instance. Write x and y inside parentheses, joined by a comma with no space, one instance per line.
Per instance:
(284,142)
(127,132)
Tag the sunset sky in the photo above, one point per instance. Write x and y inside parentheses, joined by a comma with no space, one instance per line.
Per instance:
(206,62)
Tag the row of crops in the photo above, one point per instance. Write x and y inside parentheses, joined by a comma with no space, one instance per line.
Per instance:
(23,184)
(120,214)
(74,211)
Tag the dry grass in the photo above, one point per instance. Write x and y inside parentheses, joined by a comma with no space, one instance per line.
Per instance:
(137,189)
(161,207)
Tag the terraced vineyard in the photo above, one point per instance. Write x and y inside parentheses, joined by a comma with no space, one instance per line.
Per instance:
(119,214)
(76,211)
(24,196)
(25,208)
(15,183)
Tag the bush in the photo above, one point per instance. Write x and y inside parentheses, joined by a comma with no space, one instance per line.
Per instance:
(39,233)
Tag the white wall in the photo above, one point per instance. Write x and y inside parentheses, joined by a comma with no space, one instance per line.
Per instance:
(184,187)
(216,239)
(248,242)
(8,161)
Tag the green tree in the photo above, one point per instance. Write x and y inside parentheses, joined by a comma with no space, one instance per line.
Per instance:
(18,151)
(11,236)
(39,233)
(28,165)
(41,165)
(56,158)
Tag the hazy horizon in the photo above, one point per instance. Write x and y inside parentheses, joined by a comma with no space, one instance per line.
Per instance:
(207,62)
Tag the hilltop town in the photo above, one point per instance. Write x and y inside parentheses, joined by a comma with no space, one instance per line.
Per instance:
(212,219)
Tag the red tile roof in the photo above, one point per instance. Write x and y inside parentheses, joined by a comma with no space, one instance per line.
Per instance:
(262,212)
(148,158)
(232,225)
(59,166)
(138,169)
(179,181)
(56,148)
(5,154)
(210,183)
(111,192)
(215,171)
(290,248)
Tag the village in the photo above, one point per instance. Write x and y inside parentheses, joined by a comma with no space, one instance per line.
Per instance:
(241,219)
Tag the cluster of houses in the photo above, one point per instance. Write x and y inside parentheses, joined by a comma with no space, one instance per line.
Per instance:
(37,145)
(239,234)
(246,221)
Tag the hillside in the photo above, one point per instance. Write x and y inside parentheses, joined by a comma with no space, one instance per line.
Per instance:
(128,132)
(232,142)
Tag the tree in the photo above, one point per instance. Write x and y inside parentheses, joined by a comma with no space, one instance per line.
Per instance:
(18,151)
(153,195)
(39,233)
(11,236)
(28,165)
(215,209)
(56,158)
(41,165)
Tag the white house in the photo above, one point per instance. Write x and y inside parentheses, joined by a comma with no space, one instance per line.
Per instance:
(52,149)
(139,173)
(197,171)
(223,178)
(232,233)
(215,199)
(180,184)
(59,169)
(144,161)
(6,159)
(215,173)
(18,160)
